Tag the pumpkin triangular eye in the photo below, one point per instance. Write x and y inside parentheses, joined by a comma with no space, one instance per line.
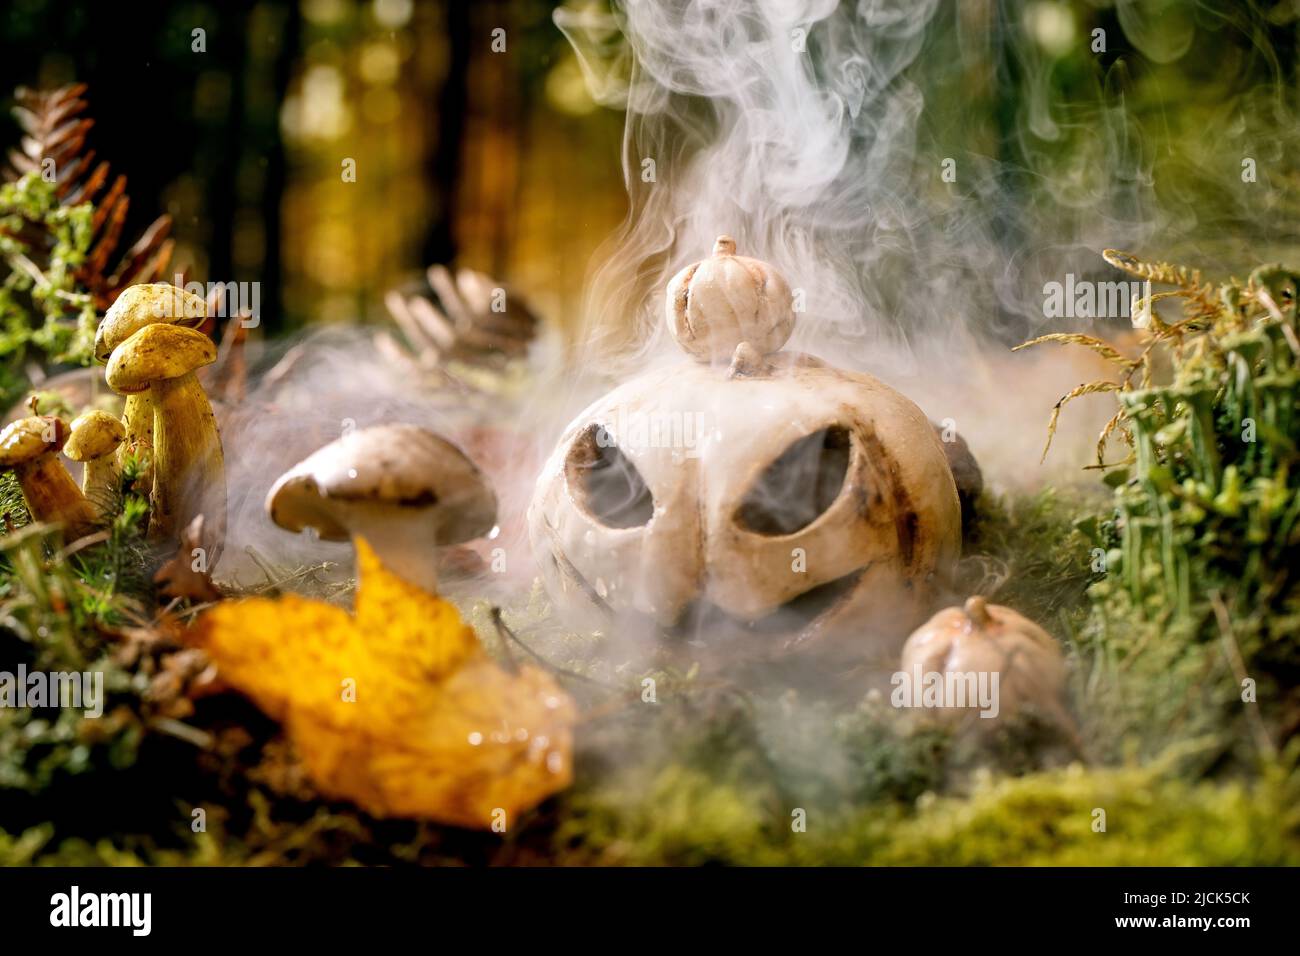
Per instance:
(793,491)
(605,483)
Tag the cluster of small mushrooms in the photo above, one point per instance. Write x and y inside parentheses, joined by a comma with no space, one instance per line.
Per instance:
(151,349)
(401,487)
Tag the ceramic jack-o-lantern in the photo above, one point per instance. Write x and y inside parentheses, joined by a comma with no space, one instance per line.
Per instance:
(748,507)
(979,640)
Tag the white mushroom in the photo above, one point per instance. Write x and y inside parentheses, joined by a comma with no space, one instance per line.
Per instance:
(402,488)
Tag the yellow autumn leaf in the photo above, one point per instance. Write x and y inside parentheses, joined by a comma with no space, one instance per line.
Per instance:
(397,707)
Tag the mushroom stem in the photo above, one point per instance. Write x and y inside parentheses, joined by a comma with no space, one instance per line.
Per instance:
(189,476)
(406,546)
(99,483)
(52,495)
(137,416)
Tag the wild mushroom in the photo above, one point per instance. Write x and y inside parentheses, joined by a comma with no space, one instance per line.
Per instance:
(189,476)
(94,440)
(30,446)
(139,306)
(402,488)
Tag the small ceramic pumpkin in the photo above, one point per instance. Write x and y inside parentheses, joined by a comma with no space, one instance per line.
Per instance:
(715,305)
(751,509)
(982,638)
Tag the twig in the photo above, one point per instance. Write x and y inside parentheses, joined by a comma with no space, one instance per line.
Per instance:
(39,278)
(182,731)
(262,565)
(574,575)
(97,537)
(504,630)
(1233,652)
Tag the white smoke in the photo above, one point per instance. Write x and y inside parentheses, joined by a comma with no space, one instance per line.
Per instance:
(805,131)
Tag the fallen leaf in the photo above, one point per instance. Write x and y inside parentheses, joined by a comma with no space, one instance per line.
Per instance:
(396,707)
(180,578)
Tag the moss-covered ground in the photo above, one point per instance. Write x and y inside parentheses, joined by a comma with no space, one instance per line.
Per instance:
(717,771)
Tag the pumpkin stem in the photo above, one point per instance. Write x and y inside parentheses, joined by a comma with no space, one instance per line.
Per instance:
(724,246)
(746,362)
(977,611)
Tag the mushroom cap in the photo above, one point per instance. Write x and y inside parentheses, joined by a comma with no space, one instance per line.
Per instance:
(94,435)
(387,467)
(30,438)
(157,353)
(146,304)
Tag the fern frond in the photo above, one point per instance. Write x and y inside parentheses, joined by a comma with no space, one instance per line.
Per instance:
(1087,388)
(1104,349)
(1163,272)
(55,128)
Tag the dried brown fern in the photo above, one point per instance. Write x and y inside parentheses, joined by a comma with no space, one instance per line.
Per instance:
(1114,426)
(1210,312)
(1201,304)
(1162,272)
(1190,287)
(1104,349)
(55,128)
(1087,388)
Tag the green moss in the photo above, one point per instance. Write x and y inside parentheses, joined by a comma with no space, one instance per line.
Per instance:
(42,308)
(11,499)
(684,817)
(1151,817)
(1026,552)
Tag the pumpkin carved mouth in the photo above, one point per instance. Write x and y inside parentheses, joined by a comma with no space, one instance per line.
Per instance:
(794,490)
(704,624)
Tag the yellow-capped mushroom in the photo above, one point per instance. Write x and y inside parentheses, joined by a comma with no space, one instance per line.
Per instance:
(94,440)
(188,466)
(137,307)
(146,304)
(30,446)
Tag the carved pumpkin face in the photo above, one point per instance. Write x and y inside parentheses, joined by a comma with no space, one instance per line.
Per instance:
(749,511)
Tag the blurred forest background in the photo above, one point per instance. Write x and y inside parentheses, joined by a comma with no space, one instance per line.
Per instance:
(500,161)
(506,164)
